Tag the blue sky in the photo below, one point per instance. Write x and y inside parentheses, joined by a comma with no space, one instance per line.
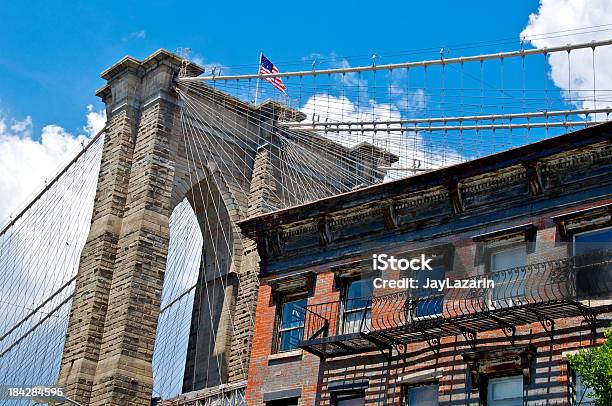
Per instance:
(52,52)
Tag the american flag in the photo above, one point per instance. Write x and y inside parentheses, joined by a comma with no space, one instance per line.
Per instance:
(265,67)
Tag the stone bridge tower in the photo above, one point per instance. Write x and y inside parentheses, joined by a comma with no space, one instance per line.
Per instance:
(145,172)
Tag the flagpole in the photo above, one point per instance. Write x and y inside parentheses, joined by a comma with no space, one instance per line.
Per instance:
(258,78)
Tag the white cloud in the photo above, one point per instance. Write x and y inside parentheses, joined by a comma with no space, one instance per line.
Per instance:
(54,227)
(95,120)
(409,101)
(209,67)
(140,34)
(352,80)
(22,126)
(325,107)
(576,76)
(26,162)
(413,151)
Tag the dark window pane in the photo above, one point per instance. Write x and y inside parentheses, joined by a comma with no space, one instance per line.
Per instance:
(426,395)
(291,327)
(290,339)
(357,294)
(508,276)
(293,313)
(431,299)
(584,394)
(356,321)
(429,307)
(505,391)
(437,273)
(355,306)
(593,241)
(594,272)
(283,402)
(509,258)
(509,284)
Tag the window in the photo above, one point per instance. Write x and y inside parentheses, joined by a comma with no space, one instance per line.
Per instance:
(583,395)
(424,395)
(593,241)
(505,391)
(356,305)
(428,302)
(593,247)
(291,323)
(509,282)
(354,400)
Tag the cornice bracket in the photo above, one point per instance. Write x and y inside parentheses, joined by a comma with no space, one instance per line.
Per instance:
(534,177)
(456,199)
(390,217)
(325,234)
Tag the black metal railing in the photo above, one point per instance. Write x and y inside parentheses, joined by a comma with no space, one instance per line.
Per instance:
(347,316)
(543,291)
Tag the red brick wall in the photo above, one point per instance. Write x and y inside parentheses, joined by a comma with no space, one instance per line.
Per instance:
(269,375)
(312,376)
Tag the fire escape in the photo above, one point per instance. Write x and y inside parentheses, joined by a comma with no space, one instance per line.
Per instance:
(536,293)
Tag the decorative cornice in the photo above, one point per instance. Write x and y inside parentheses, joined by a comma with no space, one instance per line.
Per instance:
(271,245)
(469,189)
(423,198)
(351,270)
(302,282)
(355,217)
(583,220)
(129,63)
(487,363)
(484,184)
(299,230)
(527,232)
(570,160)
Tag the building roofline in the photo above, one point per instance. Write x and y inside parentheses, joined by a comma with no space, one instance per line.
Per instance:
(448,176)
(129,62)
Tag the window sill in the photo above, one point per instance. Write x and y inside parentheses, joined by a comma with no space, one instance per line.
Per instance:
(285,355)
(426,376)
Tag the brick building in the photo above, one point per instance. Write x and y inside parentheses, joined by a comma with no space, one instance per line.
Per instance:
(535,221)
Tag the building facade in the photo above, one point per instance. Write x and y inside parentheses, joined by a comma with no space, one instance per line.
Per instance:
(522,240)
